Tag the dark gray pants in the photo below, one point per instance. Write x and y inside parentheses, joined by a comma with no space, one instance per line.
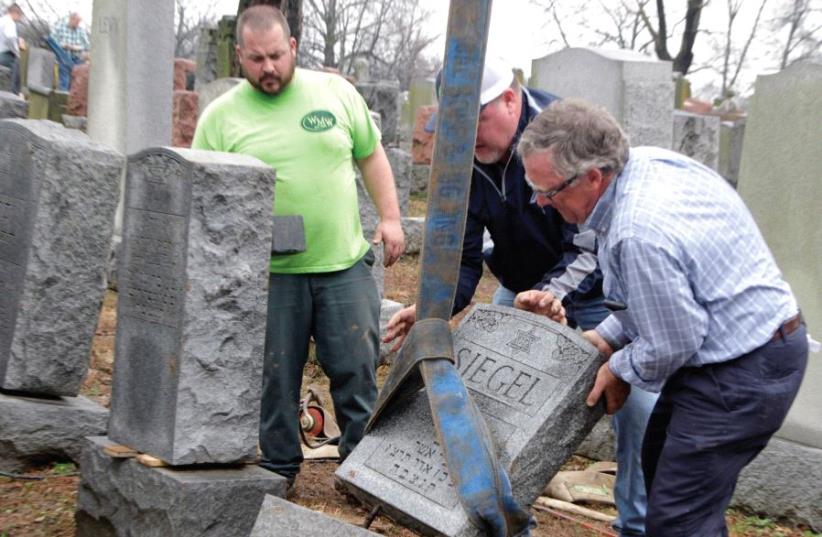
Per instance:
(341,311)
(708,424)
(8,59)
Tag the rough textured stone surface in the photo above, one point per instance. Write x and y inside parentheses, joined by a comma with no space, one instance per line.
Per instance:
(528,376)
(123,497)
(74,122)
(191,313)
(731,135)
(35,430)
(599,444)
(12,106)
(636,89)
(422,143)
(185,118)
(783,481)
(285,519)
(78,91)
(400,161)
(387,310)
(383,98)
(206,58)
(58,194)
(5,78)
(40,71)
(420,173)
(779,182)
(183,70)
(288,234)
(212,90)
(414,228)
(697,136)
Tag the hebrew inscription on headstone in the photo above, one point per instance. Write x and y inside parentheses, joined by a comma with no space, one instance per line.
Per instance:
(191,311)
(58,194)
(528,376)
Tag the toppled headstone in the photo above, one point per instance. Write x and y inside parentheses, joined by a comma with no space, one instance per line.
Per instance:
(58,194)
(285,519)
(528,376)
(12,106)
(192,305)
(123,497)
(35,430)
(697,136)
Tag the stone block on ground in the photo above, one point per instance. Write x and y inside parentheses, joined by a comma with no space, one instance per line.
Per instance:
(192,307)
(636,89)
(185,118)
(284,519)
(12,106)
(58,195)
(387,310)
(420,174)
(697,136)
(36,430)
(383,98)
(123,497)
(529,378)
(414,228)
(212,90)
(78,91)
(783,481)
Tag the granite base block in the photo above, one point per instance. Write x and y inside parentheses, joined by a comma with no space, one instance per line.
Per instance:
(122,497)
(36,430)
(285,519)
(783,482)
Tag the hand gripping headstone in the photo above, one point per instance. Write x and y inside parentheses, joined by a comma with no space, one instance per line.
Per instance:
(481,483)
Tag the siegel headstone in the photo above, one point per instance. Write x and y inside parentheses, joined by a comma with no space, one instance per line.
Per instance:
(528,376)
(636,89)
(58,194)
(192,305)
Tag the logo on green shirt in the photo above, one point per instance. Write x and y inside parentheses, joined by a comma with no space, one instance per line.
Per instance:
(318,121)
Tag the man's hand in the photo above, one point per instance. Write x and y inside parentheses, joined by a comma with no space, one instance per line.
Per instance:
(599,342)
(21,43)
(389,232)
(399,325)
(542,303)
(615,389)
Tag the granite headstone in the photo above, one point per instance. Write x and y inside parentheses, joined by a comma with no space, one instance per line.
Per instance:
(12,106)
(58,194)
(697,136)
(528,376)
(191,313)
(284,519)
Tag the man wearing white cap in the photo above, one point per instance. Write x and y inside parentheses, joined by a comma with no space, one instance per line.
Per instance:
(534,249)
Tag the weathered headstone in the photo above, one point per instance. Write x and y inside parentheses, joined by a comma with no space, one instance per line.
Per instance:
(420,174)
(414,228)
(37,430)
(284,519)
(383,98)
(206,58)
(528,376)
(636,89)
(12,106)
(731,135)
(123,497)
(192,306)
(697,136)
(58,193)
(778,179)
(40,70)
(212,90)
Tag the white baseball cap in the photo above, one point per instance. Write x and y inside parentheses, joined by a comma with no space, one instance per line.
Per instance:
(496,76)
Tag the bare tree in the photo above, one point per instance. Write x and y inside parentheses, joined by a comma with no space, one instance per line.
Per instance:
(803,27)
(190,17)
(659,33)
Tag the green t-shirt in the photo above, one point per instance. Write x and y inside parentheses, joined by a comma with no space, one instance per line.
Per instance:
(310,134)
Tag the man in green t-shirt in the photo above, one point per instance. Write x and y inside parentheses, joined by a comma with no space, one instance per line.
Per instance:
(312,128)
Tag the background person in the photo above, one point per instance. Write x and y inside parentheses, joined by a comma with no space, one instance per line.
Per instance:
(709,320)
(72,46)
(11,44)
(311,127)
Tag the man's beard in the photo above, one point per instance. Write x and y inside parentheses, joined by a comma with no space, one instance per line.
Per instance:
(284,80)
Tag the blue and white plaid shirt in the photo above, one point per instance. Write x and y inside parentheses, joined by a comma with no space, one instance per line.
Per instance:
(69,37)
(679,248)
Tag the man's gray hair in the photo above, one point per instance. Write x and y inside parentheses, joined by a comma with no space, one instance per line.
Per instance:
(260,18)
(580,135)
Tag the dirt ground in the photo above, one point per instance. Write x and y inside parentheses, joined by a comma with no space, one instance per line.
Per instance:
(44,504)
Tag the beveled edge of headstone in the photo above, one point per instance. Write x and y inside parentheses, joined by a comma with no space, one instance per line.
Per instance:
(56,133)
(274,508)
(202,157)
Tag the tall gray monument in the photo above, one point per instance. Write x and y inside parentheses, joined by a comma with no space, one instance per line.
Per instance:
(192,306)
(528,376)
(58,193)
(779,181)
(636,89)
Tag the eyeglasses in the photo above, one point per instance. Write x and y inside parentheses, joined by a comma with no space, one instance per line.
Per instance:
(554,191)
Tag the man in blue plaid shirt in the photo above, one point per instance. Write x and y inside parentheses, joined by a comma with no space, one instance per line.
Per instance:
(705,317)
(70,43)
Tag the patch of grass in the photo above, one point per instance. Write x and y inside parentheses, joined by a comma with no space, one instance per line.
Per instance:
(64,468)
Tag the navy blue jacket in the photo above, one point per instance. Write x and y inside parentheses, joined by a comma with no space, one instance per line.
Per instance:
(533,247)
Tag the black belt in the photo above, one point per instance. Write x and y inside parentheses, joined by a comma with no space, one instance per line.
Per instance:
(787,328)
